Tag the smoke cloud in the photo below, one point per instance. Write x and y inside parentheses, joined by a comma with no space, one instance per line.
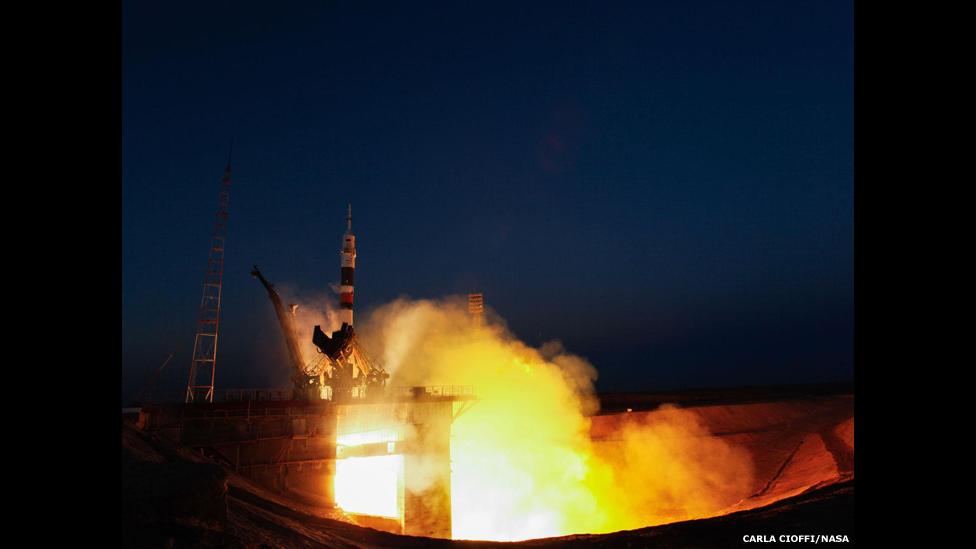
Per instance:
(523,463)
(317,309)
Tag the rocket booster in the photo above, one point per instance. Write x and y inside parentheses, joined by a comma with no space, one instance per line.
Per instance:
(348,255)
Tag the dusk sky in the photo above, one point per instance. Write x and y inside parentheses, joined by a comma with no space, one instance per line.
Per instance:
(665,187)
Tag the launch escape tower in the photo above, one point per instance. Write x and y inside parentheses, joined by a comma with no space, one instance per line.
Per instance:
(200,386)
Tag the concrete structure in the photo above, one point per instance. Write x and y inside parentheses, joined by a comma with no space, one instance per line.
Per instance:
(296,447)
(288,446)
(801,444)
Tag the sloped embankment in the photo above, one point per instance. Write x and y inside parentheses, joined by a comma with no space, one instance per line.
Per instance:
(795,445)
(802,453)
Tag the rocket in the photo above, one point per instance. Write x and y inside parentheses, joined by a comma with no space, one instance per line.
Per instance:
(348,271)
(350,370)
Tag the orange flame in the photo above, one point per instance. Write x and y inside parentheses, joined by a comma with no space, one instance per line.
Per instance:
(523,464)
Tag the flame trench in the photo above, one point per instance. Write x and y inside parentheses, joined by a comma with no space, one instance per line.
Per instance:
(372,484)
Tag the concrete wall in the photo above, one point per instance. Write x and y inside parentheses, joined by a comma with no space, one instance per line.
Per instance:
(291,447)
(287,446)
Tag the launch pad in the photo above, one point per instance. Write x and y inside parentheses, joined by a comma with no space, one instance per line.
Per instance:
(396,452)
(339,438)
(801,442)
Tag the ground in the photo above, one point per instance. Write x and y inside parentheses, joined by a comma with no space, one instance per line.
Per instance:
(802,444)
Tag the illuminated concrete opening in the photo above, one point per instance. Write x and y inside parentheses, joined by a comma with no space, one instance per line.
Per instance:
(392,465)
(370,485)
(369,473)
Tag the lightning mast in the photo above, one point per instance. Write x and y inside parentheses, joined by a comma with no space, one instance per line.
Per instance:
(200,386)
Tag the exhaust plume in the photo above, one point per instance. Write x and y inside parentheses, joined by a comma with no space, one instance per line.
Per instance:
(523,463)
(522,460)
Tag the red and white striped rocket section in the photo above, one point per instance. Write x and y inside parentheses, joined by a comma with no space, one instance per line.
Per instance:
(348,255)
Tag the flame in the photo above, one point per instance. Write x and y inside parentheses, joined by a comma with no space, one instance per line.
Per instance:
(523,465)
(369,485)
(367,437)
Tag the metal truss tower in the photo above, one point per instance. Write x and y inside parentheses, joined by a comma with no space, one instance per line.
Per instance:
(200,387)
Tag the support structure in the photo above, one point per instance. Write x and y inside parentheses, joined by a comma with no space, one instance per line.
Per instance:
(287,322)
(203,365)
(304,449)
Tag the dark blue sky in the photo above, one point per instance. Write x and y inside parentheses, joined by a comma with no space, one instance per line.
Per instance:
(664,186)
